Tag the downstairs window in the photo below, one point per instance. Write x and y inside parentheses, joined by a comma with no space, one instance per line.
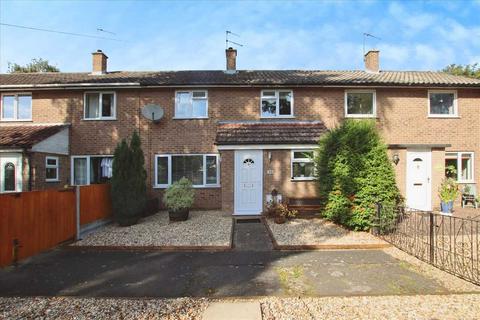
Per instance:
(201,169)
(459,166)
(303,167)
(91,169)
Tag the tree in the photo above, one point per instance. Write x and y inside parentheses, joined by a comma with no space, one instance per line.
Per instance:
(469,70)
(37,65)
(354,172)
(128,182)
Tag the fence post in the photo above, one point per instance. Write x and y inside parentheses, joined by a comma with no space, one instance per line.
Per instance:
(432,238)
(77,212)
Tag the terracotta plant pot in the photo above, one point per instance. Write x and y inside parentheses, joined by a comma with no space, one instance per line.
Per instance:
(178,215)
(280,219)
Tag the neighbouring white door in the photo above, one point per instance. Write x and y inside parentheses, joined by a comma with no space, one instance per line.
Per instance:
(10,172)
(248,182)
(419,185)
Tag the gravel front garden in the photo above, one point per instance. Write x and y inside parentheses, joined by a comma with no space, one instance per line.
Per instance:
(318,232)
(202,229)
(461,306)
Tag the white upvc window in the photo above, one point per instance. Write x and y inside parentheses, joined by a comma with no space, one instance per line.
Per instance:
(460,166)
(87,170)
(276,103)
(360,104)
(51,169)
(16,107)
(191,104)
(203,170)
(302,165)
(100,105)
(442,104)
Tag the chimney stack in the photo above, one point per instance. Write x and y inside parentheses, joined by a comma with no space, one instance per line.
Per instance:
(372,61)
(99,60)
(231,59)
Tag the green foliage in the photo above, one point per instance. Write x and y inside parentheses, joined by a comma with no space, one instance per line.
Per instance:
(179,195)
(128,181)
(448,190)
(469,70)
(354,172)
(37,65)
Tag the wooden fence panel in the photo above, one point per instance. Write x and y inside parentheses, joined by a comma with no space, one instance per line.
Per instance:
(39,220)
(95,203)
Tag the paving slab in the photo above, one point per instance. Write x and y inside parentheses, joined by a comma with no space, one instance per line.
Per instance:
(215,274)
(233,311)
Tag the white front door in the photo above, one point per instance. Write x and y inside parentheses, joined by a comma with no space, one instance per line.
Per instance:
(419,185)
(10,172)
(248,182)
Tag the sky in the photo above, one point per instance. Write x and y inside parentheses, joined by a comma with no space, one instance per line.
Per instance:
(190,35)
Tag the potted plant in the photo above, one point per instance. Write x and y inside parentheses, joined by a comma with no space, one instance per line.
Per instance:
(448,192)
(178,199)
(283,213)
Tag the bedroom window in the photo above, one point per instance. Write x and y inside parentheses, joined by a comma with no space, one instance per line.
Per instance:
(442,104)
(16,107)
(360,104)
(191,105)
(201,169)
(99,106)
(303,166)
(276,103)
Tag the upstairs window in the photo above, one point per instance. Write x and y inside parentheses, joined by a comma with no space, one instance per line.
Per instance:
(277,103)
(360,104)
(16,107)
(442,103)
(303,167)
(191,104)
(51,169)
(99,106)
(459,166)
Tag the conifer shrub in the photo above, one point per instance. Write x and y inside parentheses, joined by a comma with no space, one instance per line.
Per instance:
(354,173)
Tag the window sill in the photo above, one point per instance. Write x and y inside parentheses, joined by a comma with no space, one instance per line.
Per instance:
(194,118)
(433,116)
(100,119)
(194,187)
(278,117)
(16,120)
(51,180)
(359,116)
(302,179)
(466,182)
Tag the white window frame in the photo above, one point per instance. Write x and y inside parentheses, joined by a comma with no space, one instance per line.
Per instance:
(356,115)
(277,104)
(169,157)
(191,98)
(50,166)
(100,117)
(455,104)
(293,160)
(15,106)
(459,165)
(88,157)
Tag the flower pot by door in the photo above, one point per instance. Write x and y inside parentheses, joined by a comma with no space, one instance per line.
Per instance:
(447,207)
(178,215)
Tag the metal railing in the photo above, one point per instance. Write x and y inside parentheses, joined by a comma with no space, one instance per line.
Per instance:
(447,242)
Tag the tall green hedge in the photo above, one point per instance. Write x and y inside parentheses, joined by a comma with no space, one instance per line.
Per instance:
(354,172)
(128,182)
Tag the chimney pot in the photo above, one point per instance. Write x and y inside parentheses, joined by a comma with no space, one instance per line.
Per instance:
(372,61)
(99,62)
(231,59)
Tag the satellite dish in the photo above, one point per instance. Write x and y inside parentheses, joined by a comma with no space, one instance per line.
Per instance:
(153,112)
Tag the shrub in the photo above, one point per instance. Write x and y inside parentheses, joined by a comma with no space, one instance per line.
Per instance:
(128,182)
(179,195)
(448,190)
(354,172)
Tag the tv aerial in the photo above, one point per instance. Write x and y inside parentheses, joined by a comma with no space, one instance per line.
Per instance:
(368,35)
(227,39)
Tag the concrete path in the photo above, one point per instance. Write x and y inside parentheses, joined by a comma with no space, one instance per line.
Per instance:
(251,235)
(219,274)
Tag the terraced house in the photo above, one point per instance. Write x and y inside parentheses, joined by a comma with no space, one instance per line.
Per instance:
(237,134)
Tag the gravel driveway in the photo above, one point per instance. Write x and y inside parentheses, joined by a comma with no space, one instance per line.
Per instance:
(318,231)
(203,228)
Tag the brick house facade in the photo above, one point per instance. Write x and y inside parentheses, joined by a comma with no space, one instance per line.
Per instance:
(401,103)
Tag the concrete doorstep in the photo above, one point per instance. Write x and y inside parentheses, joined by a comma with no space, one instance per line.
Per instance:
(233,311)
